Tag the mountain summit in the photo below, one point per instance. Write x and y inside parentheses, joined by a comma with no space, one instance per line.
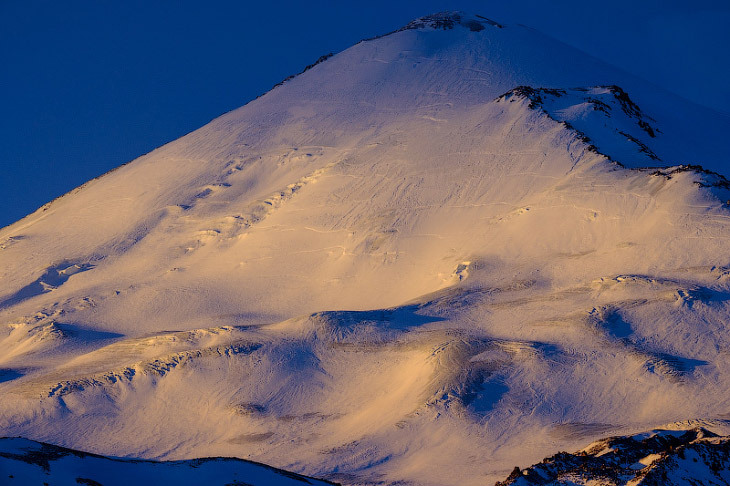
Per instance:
(437,255)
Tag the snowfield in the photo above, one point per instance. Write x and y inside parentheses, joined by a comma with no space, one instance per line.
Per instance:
(437,255)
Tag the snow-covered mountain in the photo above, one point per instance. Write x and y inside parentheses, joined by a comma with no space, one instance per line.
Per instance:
(446,251)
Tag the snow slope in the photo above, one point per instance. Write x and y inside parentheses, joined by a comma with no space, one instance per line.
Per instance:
(429,258)
(24,462)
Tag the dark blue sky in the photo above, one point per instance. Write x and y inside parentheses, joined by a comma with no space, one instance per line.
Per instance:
(87,86)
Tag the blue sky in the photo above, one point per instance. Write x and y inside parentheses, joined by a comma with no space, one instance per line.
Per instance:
(87,86)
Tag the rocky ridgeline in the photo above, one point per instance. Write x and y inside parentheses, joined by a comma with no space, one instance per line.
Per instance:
(661,457)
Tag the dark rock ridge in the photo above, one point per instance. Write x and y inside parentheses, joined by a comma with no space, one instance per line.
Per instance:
(448,20)
(610,101)
(694,457)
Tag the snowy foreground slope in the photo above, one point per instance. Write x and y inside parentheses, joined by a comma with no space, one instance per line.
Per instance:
(24,462)
(429,259)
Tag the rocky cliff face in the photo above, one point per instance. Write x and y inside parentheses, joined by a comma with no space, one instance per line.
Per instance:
(660,457)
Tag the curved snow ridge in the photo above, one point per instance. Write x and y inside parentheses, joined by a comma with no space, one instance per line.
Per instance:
(350,381)
(28,462)
(339,327)
(128,359)
(53,277)
(158,367)
(668,457)
(470,370)
(28,336)
(8,241)
(609,122)
(643,289)
(604,117)
(259,210)
(451,368)
(43,333)
(443,368)
(614,326)
(708,178)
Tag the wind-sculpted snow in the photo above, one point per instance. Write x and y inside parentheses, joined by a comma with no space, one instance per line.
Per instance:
(385,272)
(50,280)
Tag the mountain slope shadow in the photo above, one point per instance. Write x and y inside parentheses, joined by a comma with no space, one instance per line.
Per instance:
(52,278)
(84,334)
(609,322)
(9,374)
(400,318)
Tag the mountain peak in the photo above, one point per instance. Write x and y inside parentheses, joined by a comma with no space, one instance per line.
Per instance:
(449,19)
(405,266)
